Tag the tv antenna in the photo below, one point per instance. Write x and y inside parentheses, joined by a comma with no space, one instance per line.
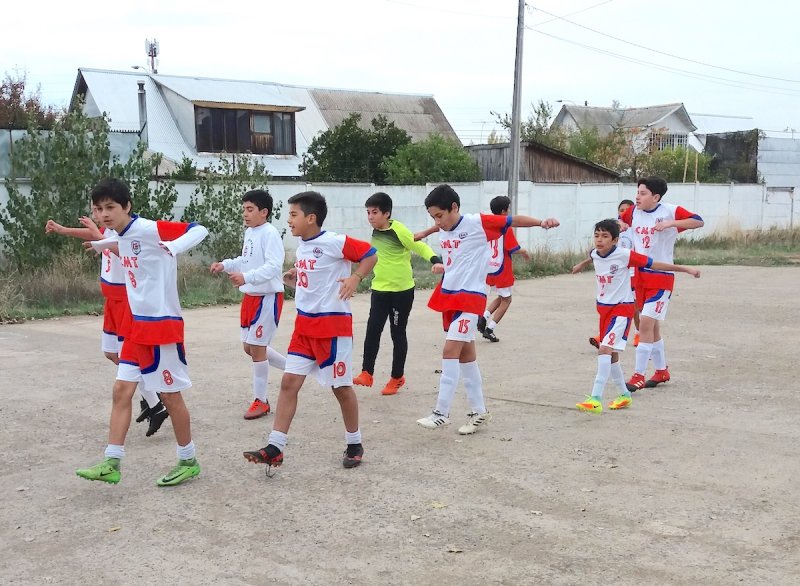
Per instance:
(151,48)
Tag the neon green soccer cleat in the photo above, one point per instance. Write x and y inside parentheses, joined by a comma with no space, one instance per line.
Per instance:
(106,471)
(590,405)
(621,402)
(184,470)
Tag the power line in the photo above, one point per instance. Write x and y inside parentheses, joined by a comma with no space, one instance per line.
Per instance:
(694,75)
(450,11)
(696,62)
(569,14)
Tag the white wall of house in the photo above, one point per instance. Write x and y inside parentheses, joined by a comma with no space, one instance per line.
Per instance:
(578,207)
(182,111)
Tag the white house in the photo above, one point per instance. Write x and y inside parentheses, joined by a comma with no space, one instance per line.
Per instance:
(659,127)
(202,117)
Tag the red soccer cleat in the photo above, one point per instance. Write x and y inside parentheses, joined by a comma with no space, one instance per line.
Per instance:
(258,408)
(636,382)
(363,380)
(659,376)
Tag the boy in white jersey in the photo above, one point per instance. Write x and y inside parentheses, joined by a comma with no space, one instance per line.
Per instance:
(461,297)
(655,228)
(116,312)
(153,352)
(258,274)
(615,306)
(322,341)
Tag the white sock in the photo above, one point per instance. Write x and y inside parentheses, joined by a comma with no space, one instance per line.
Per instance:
(151,397)
(659,358)
(114,451)
(618,378)
(260,379)
(486,314)
(352,437)
(473,384)
(276,359)
(278,439)
(186,452)
(603,371)
(491,324)
(447,385)
(643,351)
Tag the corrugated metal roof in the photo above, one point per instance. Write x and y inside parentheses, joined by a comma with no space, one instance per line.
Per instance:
(225,91)
(609,119)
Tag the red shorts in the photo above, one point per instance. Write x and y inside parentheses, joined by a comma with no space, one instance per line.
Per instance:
(117,317)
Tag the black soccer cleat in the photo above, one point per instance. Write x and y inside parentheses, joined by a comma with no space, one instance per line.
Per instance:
(145,411)
(352,455)
(158,415)
(488,333)
(481,324)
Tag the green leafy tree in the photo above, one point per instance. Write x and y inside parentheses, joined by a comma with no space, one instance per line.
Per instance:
(671,163)
(349,153)
(61,167)
(20,109)
(536,127)
(217,202)
(433,160)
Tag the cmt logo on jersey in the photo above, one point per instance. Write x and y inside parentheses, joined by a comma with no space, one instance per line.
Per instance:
(317,252)
(452,244)
(305,263)
(644,230)
(136,247)
(605,279)
(130,262)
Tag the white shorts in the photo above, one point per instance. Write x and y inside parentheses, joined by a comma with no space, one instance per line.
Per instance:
(656,306)
(161,369)
(463,327)
(110,343)
(330,359)
(503,291)
(616,336)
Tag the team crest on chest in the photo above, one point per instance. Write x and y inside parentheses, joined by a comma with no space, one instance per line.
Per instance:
(317,252)
(613,270)
(462,235)
(136,246)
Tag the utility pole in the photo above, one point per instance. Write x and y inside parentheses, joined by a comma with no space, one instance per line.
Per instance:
(513,173)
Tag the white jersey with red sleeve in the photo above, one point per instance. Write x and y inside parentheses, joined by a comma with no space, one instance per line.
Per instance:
(658,245)
(321,262)
(148,250)
(466,258)
(112,276)
(613,277)
(501,270)
(261,261)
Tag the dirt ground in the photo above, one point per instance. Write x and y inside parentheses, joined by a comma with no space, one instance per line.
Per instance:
(695,483)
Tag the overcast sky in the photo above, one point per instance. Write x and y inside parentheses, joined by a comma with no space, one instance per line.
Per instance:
(724,58)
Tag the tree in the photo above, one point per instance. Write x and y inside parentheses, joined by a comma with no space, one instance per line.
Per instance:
(433,160)
(671,163)
(18,110)
(536,127)
(61,167)
(351,154)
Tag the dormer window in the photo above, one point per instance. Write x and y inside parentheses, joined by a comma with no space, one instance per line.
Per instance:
(261,132)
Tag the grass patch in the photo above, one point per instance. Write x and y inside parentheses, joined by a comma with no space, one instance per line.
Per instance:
(772,247)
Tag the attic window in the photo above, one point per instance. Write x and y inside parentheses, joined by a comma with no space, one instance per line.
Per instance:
(660,141)
(244,131)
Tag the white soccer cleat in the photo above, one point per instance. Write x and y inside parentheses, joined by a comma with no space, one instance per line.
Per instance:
(433,420)
(474,422)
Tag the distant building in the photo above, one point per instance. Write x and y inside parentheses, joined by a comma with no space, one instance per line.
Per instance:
(200,117)
(654,127)
(538,163)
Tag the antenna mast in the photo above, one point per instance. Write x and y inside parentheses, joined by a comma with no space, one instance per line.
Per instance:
(151,48)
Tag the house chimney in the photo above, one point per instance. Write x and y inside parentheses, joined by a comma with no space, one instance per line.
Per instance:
(142,113)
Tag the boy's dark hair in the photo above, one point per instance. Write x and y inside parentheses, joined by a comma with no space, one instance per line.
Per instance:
(311,202)
(500,204)
(610,226)
(655,184)
(442,197)
(261,198)
(625,202)
(111,188)
(380,200)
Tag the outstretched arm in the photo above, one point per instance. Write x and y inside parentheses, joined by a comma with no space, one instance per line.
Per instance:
(685,224)
(88,232)
(666,266)
(581,266)
(425,233)
(531,222)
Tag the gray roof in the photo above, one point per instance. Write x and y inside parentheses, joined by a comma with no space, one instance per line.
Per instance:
(609,119)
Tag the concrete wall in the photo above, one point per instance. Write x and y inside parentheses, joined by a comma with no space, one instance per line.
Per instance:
(577,206)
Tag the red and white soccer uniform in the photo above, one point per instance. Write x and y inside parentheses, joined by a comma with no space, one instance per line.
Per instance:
(461,294)
(153,351)
(116,311)
(614,295)
(501,270)
(261,264)
(653,286)
(323,329)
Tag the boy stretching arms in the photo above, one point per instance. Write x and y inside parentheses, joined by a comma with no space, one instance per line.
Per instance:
(501,272)
(153,353)
(655,228)
(258,274)
(322,341)
(461,298)
(392,290)
(615,306)
(116,311)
